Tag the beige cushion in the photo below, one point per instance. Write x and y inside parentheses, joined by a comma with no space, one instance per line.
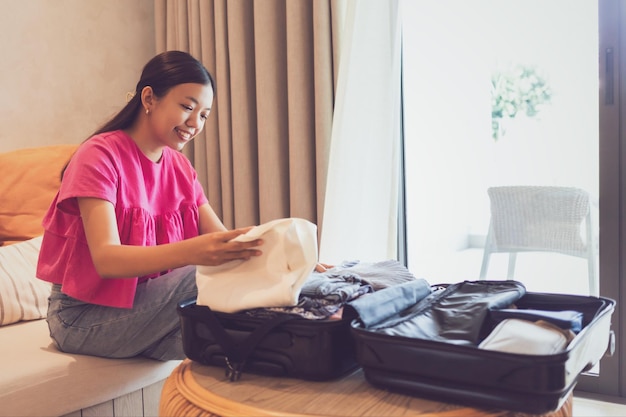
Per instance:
(38,380)
(22,295)
(29,180)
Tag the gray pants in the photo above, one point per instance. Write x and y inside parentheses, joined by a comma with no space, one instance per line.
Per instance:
(151,328)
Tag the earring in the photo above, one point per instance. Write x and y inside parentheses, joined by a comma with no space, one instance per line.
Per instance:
(147,111)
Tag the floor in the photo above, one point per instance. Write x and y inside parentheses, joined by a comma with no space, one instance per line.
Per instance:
(584,407)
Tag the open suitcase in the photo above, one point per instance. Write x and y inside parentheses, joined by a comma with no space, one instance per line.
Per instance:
(281,344)
(466,374)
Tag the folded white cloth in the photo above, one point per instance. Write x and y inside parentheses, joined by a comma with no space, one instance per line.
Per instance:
(527,337)
(273,279)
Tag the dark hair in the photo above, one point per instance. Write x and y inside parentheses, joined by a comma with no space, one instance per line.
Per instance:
(164,71)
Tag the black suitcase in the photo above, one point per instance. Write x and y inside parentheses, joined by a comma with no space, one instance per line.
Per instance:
(468,375)
(283,345)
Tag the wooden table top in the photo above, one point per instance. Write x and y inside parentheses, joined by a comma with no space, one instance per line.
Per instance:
(207,388)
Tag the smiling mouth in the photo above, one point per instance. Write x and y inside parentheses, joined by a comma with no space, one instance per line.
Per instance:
(183,134)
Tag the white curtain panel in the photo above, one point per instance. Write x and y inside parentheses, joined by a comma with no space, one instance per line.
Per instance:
(361,202)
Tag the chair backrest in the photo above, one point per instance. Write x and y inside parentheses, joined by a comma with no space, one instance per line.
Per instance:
(539,218)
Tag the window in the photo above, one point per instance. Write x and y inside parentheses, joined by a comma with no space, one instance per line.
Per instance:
(495,95)
(464,65)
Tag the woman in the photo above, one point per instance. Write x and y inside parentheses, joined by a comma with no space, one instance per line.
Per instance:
(131,221)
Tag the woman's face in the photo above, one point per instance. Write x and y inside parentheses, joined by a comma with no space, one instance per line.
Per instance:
(178,116)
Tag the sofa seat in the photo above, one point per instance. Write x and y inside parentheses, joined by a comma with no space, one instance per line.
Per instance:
(39,380)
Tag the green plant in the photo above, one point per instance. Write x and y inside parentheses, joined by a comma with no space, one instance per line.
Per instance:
(516,90)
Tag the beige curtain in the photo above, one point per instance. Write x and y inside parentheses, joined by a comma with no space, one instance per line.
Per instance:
(264,152)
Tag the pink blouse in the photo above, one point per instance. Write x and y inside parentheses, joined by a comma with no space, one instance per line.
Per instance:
(155,203)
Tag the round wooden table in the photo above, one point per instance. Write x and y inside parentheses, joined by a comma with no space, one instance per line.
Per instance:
(196,390)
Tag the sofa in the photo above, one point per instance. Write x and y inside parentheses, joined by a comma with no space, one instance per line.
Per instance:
(36,379)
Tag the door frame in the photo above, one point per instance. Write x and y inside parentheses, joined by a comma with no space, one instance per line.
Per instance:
(612,149)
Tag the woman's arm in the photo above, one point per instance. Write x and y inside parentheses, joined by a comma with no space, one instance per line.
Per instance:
(113,260)
(209,222)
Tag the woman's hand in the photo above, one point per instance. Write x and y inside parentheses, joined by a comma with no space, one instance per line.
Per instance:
(218,247)
(320,267)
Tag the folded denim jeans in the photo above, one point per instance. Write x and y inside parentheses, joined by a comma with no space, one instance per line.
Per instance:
(372,308)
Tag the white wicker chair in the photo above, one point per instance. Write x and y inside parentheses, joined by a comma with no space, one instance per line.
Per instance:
(541,219)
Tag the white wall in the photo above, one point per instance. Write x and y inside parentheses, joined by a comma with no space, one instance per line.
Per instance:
(66,65)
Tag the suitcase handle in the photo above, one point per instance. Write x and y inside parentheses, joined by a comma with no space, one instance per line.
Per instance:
(237,354)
